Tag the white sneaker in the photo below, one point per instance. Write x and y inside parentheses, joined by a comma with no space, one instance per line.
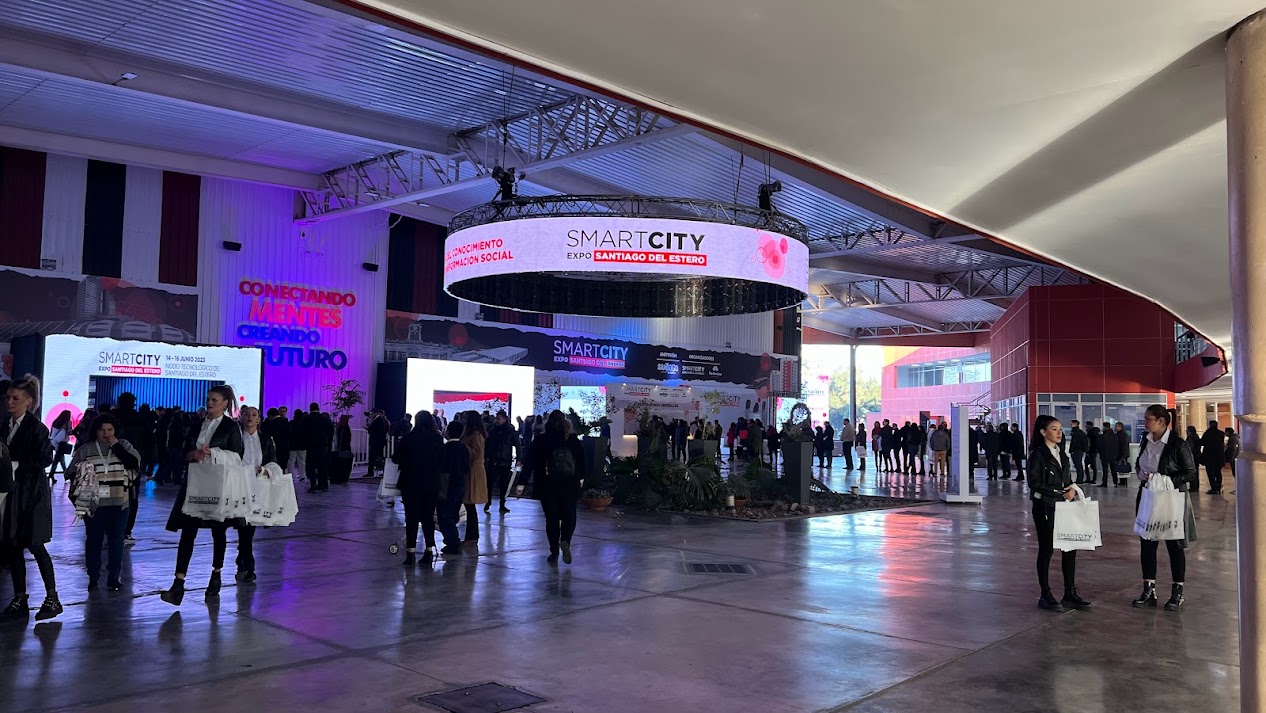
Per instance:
(129,541)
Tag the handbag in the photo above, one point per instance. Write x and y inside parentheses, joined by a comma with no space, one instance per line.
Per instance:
(1162,511)
(1077,523)
(1122,466)
(389,488)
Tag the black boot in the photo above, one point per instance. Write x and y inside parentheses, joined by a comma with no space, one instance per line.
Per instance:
(213,587)
(1176,599)
(1147,598)
(1072,599)
(176,594)
(51,607)
(409,559)
(19,610)
(1049,602)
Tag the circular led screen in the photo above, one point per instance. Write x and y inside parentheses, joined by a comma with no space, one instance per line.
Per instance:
(619,266)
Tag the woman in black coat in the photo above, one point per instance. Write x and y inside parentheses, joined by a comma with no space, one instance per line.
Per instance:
(557,491)
(1050,481)
(28,516)
(1164,454)
(217,430)
(421,459)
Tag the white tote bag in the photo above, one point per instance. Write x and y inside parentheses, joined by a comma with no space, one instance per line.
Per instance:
(1162,511)
(1077,523)
(389,488)
(207,491)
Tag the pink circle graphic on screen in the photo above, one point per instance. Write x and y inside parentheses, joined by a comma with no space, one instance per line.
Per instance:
(769,255)
(65,394)
(51,414)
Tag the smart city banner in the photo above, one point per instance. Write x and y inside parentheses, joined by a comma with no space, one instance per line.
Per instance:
(601,244)
(429,337)
(35,302)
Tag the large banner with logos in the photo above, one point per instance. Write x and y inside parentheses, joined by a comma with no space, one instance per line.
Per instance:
(424,336)
(34,302)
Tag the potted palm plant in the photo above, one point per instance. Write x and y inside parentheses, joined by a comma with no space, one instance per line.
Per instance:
(596,499)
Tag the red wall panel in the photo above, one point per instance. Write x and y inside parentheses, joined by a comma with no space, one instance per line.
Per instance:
(22,206)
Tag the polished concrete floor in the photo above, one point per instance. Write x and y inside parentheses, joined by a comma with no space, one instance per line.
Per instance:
(932,606)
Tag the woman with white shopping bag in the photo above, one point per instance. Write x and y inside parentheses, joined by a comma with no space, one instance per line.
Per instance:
(258,451)
(116,464)
(1165,455)
(217,430)
(1050,481)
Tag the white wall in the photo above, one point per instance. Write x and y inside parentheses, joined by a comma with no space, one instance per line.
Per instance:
(274,250)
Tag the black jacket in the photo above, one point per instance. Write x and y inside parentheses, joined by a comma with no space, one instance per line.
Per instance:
(542,447)
(1108,447)
(501,444)
(1017,445)
(28,518)
(1092,441)
(457,465)
(421,460)
(316,432)
(1213,448)
(278,429)
(1048,476)
(1079,440)
(1177,462)
(1123,444)
(989,440)
(227,437)
(378,430)
(137,430)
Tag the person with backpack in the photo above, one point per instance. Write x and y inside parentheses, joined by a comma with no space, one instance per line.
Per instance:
(558,468)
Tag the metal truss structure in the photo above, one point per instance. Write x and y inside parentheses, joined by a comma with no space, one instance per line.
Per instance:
(546,137)
(982,284)
(630,206)
(913,330)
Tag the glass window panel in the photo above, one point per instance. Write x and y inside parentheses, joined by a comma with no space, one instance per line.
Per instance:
(1091,412)
(1066,397)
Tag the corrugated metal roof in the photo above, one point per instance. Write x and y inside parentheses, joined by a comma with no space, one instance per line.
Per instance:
(117,114)
(956,311)
(341,59)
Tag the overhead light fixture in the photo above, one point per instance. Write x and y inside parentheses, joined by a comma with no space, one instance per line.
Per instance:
(232,246)
(420,204)
(125,77)
(370,266)
(506,183)
(765,195)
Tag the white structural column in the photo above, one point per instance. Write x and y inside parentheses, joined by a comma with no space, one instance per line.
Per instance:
(1246,157)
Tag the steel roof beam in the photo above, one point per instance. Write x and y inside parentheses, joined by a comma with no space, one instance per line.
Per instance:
(864,333)
(545,138)
(155,158)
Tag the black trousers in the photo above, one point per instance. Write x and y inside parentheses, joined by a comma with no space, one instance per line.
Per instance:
(318,468)
(423,516)
(1005,459)
(106,524)
(1044,520)
(991,465)
(189,535)
(17,569)
(1079,464)
(134,504)
(1177,559)
(498,480)
(448,510)
(1215,477)
(1109,468)
(848,456)
(1019,465)
(560,516)
(1092,469)
(245,548)
(472,522)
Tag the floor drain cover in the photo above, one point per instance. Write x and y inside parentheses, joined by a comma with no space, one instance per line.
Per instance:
(484,698)
(718,568)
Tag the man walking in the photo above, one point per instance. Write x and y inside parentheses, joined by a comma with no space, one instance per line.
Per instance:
(989,440)
(1077,449)
(848,435)
(1213,456)
(318,436)
(502,444)
(1108,455)
(1018,448)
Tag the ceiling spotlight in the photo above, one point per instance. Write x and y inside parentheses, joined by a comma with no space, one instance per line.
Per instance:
(125,77)
(765,196)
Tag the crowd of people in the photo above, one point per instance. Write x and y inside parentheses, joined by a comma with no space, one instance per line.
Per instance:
(124,445)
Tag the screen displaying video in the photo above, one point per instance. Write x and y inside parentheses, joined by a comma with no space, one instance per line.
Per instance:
(91,372)
(451,402)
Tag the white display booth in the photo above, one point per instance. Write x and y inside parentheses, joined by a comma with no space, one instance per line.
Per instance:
(454,381)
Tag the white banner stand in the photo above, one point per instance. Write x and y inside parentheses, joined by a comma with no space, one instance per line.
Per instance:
(959,490)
